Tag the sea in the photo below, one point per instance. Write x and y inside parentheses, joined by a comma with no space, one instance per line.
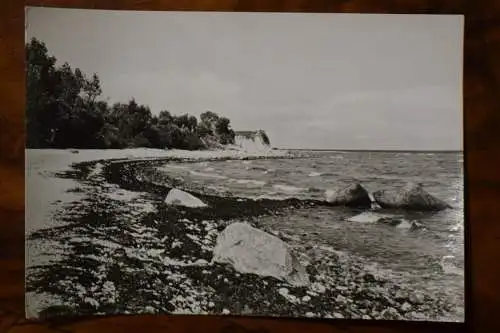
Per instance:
(428,257)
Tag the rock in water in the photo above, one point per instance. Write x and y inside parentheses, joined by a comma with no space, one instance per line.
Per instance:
(180,198)
(413,197)
(250,250)
(353,195)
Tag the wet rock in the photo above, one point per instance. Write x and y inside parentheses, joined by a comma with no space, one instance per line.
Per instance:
(353,195)
(406,307)
(180,198)
(386,300)
(392,221)
(390,314)
(369,278)
(306,298)
(416,226)
(418,315)
(318,287)
(283,291)
(338,315)
(341,299)
(250,250)
(401,295)
(413,197)
(416,298)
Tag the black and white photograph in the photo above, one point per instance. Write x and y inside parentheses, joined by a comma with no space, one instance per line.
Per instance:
(298,165)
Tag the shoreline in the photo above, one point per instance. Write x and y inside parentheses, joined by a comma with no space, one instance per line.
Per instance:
(43,171)
(333,298)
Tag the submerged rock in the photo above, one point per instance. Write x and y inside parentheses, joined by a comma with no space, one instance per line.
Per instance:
(250,250)
(353,195)
(180,198)
(413,197)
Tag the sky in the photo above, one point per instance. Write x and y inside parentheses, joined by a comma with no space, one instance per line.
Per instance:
(311,81)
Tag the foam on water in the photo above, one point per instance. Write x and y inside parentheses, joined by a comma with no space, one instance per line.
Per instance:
(207,175)
(315,174)
(404,224)
(288,189)
(369,217)
(449,267)
(249,182)
(365,217)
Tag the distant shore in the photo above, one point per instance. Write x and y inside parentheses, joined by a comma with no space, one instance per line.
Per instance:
(372,150)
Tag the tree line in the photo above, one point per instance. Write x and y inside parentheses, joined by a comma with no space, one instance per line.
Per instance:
(65,109)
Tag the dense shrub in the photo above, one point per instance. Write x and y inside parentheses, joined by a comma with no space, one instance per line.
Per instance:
(65,109)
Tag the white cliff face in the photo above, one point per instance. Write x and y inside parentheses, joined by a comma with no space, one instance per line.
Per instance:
(251,142)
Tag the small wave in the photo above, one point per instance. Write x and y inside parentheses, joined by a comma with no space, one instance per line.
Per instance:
(449,268)
(288,189)
(366,217)
(457,227)
(173,166)
(337,157)
(207,175)
(315,174)
(249,182)
(332,250)
(209,169)
(404,224)
(269,171)
(271,196)
(258,168)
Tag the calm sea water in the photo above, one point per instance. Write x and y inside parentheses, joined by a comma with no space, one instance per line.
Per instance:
(430,258)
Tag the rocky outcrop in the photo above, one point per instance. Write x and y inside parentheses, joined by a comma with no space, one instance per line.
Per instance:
(413,197)
(180,198)
(250,250)
(353,195)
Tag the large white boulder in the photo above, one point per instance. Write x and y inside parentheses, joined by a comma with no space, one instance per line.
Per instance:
(250,250)
(412,197)
(353,195)
(180,198)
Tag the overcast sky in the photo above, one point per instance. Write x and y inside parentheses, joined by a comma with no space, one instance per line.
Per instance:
(310,80)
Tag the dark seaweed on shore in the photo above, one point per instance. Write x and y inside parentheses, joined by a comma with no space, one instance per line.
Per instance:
(94,274)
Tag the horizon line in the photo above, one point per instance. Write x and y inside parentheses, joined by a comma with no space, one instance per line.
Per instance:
(377,150)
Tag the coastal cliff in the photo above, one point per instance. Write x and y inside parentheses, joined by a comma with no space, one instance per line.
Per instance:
(252,140)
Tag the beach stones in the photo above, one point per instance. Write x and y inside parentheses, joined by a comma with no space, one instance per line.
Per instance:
(416,298)
(406,307)
(353,195)
(390,313)
(180,198)
(413,197)
(250,250)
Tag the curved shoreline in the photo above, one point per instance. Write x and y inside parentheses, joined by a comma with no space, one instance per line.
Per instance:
(330,297)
